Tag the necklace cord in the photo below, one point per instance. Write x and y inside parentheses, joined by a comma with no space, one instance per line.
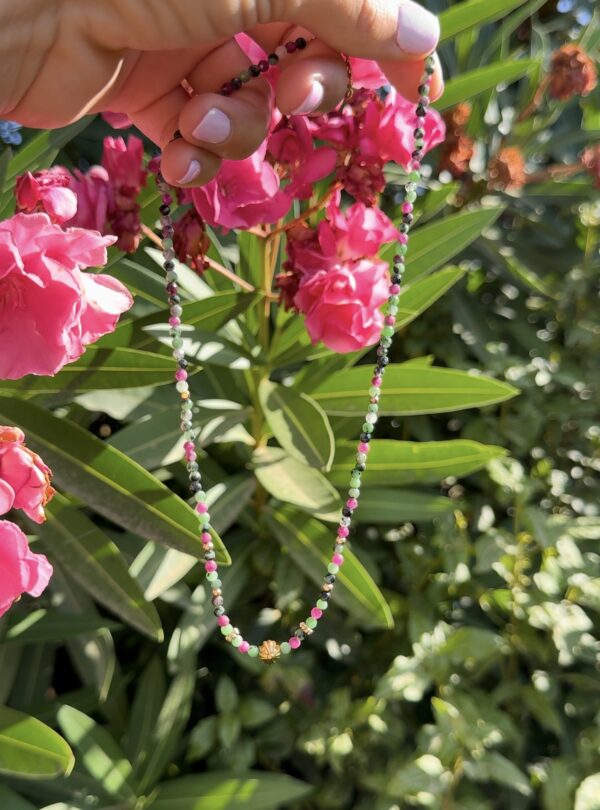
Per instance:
(270,650)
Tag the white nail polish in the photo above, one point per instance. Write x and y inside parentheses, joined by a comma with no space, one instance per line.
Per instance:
(215,127)
(191,174)
(312,100)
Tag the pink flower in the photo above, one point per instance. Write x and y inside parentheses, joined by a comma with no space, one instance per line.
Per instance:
(24,478)
(94,198)
(292,147)
(357,233)
(243,194)
(387,130)
(341,305)
(367,73)
(22,571)
(124,163)
(47,190)
(49,310)
(360,230)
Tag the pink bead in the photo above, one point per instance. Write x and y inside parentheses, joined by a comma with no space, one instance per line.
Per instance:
(181,374)
(389,320)
(205,537)
(407,208)
(294,642)
(403,238)
(202,508)
(244,647)
(167,199)
(351,503)
(416,165)
(343,531)
(190,456)
(337,559)
(363,447)
(174,321)
(316,613)
(222,621)
(394,289)
(189,446)
(376,380)
(210,566)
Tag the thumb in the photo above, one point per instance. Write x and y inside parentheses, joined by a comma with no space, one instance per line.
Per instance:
(372,29)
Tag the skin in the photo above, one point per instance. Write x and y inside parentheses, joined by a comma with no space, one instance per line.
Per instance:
(62,59)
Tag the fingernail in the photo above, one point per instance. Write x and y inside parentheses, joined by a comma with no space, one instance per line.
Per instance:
(438,67)
(418,29)
(191,174)
(215,127)
(312,100)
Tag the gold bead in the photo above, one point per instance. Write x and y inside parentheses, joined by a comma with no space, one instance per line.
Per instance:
(305,628)
(327,586)
(269,651)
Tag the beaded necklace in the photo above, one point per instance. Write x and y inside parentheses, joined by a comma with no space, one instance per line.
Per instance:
(270,650)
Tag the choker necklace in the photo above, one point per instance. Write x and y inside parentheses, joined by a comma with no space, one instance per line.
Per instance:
(270,650)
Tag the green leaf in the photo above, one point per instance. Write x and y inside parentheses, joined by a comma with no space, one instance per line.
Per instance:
(30,749)
(95,562)
(410,390)
(309,543)
(12,801)
(208,314)
(149,697)
(587,796)
(485,78)
(293,482)
(473,13)
(495,767)
(47,626)
(422,294)
(300,425)
(99,368)
(169,726)
(399,505)
(98,752)
(394,462)
(108,481)
(253,790)
(434,244)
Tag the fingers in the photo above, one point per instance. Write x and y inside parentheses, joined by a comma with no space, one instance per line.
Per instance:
(393,30)
(406,77)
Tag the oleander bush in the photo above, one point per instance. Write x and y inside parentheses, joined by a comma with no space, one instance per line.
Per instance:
(457,666)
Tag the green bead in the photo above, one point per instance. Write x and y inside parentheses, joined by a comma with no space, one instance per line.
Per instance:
(419,144)
(204,518)
(322,604)
(373,391)
(414,176)
(216,583)
(387,331)
(200,497)
(411,196)
(355,483)
(402,250)
(393,299)
(373,407)
(177,343)
(310,622)
(235,642)
(285,648)
(253,651)
(227,630)
(333,568)
(244,76)
(211,576)
(353,493)
(367,427)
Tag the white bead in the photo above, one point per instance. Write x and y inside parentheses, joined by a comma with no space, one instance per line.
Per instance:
(281,52)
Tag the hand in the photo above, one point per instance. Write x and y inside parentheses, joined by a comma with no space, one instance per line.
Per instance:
(62,59)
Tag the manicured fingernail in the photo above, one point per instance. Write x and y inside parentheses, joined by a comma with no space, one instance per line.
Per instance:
(312,100)
(438,68)
(418,29)
(191,174)
(215,127)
